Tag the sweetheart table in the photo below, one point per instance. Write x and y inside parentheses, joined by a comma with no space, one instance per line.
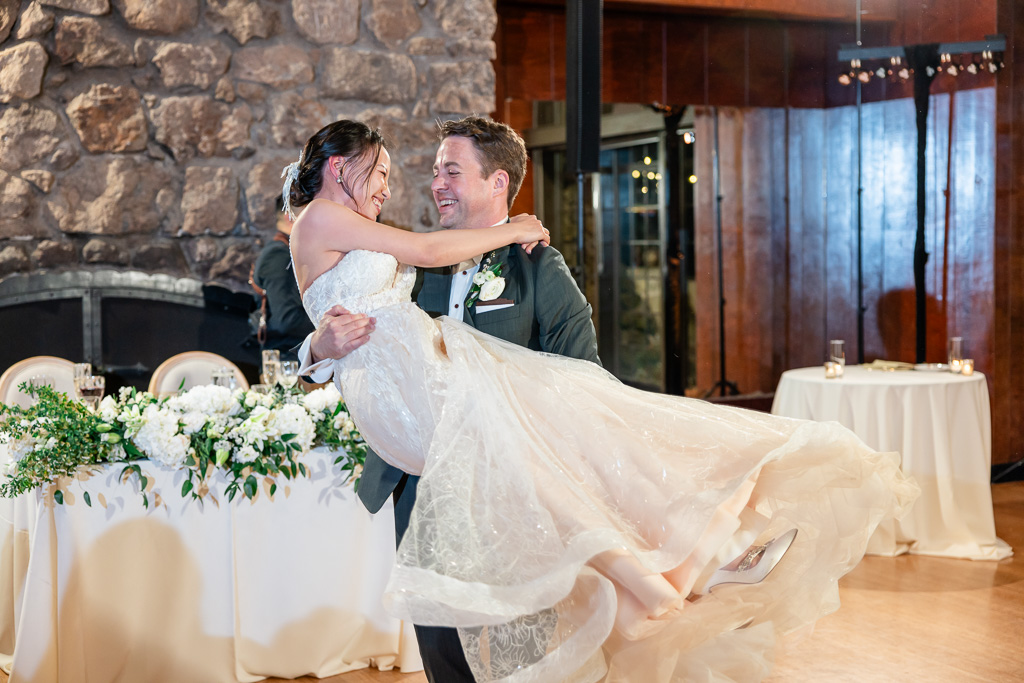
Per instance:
(940,424)
(192,590)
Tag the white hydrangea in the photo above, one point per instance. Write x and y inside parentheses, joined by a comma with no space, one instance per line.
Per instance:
(293,419)
(209,399)
(193,421)
(321,402)
(160,437)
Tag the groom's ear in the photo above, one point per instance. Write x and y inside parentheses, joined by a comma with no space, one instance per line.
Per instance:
(499,182)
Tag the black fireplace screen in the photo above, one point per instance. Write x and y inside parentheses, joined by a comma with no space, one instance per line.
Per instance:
(124,323)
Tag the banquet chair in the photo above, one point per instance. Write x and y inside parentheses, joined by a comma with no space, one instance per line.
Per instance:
(60,370)
(192,367)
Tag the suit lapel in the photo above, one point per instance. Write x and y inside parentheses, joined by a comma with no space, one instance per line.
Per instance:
(509,271)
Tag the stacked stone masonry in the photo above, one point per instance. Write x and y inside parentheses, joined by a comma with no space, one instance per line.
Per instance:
(151,134)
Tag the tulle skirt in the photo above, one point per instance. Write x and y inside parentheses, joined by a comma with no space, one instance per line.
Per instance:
(563,519)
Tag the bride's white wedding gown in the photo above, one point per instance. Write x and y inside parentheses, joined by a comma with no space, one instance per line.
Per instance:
(562,516)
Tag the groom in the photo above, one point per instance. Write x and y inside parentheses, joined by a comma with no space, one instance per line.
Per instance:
(479,168)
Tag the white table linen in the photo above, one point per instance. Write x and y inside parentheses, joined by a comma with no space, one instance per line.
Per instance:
(940,423)
(197,591)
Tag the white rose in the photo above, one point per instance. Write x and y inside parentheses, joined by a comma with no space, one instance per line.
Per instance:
(489,275)
(492,289)
(479,279)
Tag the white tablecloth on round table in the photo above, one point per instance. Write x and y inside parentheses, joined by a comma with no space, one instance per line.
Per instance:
(940,424)
(190,591)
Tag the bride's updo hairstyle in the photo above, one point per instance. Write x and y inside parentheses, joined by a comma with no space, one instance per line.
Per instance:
(350,139)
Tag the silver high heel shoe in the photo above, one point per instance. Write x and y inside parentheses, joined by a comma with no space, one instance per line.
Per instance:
(757,563)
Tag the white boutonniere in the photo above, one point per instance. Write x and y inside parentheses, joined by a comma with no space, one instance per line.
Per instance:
(487,283)
(492,288)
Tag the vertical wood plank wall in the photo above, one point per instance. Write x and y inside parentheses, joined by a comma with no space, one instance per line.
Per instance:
(789,234)
(1008,324)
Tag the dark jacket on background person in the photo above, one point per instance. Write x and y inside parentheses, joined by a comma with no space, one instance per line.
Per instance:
(287,322)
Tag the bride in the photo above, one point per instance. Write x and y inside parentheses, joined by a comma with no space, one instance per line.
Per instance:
(571,527)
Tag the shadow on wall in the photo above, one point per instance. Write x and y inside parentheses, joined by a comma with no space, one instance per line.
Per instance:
(896,317)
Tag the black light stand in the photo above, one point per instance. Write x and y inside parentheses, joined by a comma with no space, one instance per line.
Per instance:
(723,384)
(582,105)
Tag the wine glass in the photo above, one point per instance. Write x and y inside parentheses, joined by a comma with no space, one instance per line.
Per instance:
(224,377)
(90,390)
(288,373)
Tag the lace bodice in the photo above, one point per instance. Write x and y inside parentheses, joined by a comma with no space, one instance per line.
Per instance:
(362,282)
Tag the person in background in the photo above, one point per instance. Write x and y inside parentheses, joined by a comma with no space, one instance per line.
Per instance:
(283,323)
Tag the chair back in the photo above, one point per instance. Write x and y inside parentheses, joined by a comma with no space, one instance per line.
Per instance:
(194,368)
(60,370)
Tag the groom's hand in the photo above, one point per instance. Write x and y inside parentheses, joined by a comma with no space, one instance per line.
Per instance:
(339,333)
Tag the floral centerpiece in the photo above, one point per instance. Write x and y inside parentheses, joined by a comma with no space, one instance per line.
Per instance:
(248,434)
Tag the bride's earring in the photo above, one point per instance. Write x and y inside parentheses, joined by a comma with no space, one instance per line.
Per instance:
(341,171)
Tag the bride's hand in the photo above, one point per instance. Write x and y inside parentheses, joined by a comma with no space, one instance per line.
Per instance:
(529,232)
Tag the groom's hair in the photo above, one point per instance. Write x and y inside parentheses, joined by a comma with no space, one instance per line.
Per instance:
(498,147)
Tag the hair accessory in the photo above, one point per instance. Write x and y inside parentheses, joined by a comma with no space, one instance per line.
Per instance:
(290,173)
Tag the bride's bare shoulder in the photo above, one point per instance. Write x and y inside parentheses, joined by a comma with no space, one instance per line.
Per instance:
(324,212)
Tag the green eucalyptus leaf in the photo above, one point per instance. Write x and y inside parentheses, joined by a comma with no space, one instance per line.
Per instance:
(88,500)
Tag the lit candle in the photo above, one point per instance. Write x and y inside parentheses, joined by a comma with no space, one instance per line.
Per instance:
(956,365)
(968,367)
(830,369)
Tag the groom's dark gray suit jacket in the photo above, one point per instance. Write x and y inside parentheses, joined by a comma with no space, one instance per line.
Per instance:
(549,314)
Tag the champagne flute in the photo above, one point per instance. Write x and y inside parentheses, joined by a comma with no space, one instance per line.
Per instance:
(288,373)
(80,371)
(91,390)
(271,366)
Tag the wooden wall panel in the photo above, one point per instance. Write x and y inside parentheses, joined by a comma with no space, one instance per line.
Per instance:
(755,339)
(1008,323)
(727,63)
(973,225)
(944,21)
(704,247)
(840,228)
(807,241)
(531,64)
(789,248)
(731,170)
(874,200)
(896,157)
(685,75)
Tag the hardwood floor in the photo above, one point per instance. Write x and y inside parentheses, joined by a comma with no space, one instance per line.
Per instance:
(909,618)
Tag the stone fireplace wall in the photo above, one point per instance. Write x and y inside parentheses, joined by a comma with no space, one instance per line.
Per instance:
(150,134)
